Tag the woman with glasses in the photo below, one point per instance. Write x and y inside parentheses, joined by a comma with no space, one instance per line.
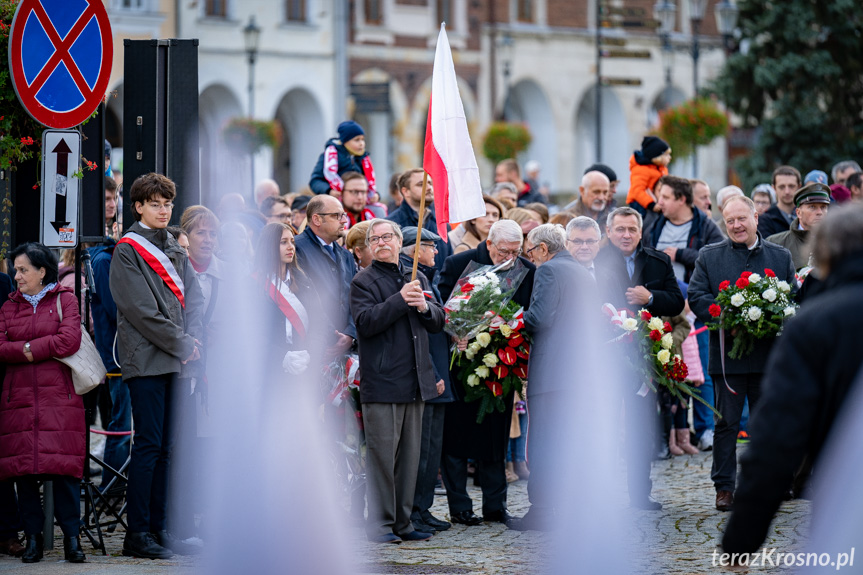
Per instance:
(464,438)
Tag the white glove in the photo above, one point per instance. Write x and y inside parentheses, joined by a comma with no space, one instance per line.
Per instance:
(296,362)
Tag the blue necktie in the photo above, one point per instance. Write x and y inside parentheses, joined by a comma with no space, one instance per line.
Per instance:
(330,251)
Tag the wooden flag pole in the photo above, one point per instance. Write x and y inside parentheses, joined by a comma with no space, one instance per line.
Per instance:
(421,216)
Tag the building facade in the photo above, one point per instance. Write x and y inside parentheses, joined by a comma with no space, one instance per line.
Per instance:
(534,61)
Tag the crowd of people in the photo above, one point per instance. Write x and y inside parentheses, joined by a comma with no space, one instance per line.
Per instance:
(332,270)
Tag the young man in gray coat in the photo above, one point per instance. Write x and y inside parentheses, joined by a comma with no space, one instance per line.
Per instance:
(159,306)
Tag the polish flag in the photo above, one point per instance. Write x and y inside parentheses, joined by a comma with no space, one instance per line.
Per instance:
(448,155)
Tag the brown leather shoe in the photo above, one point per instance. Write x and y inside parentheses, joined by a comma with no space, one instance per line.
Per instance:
(724,500)
(12,546)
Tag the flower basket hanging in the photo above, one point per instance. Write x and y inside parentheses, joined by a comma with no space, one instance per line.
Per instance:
(693,123)
(505,140)
(249,136)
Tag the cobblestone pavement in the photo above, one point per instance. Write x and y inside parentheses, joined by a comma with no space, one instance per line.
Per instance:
(679,540)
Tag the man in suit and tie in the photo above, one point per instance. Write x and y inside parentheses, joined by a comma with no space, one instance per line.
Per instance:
(646,280)
(331,269)
(559,320)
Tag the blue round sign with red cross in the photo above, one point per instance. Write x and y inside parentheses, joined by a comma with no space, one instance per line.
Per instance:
(60,56)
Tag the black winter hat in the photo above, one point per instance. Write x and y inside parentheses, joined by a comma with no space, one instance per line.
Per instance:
(652,147)
(348,130)
(602,168)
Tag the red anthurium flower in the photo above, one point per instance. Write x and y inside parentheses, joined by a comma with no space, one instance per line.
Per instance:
(746,274)
(742,282)
(467,287)
(655,335)
(769,273)
(515,341)
(714,310)
(501,371)
(667,327)
(495,387)
(724,285)
(520,371)
(507,355)
(645,315)
(522,352)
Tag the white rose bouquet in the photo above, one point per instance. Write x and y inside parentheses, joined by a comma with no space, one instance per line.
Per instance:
(752,308)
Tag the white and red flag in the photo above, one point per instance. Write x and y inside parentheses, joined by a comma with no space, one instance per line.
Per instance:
(448,155)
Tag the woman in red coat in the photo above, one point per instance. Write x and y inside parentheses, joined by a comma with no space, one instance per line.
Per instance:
(41,418)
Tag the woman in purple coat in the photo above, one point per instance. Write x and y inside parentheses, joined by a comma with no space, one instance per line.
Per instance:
(41,418)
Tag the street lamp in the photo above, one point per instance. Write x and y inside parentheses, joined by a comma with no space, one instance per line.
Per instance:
(665,12)
(696,16)
(506,49)
(251,36)
(726,13)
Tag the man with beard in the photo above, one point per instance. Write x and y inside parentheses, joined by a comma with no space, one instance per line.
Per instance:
(355,190)
(393,319)
(593,200)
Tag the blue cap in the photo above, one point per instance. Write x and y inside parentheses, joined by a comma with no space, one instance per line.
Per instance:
(349,130)
(815,176)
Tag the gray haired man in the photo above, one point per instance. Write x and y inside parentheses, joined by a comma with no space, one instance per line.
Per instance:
(562,302)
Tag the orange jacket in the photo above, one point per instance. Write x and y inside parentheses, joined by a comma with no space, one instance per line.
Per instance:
(641,179)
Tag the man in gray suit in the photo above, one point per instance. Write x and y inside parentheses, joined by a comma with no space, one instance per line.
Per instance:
(561,307)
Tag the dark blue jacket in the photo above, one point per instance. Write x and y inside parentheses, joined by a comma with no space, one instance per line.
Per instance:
(347,163)
(439,343)
(332,281)
(103,309)
(703,231)
(405,215)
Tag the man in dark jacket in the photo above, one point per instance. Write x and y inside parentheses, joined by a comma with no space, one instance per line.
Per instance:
(464,438)
(646,280)
(509,171)
(812,201)
(331,268)
(808,378)
(410,187)
(433,413)
(786,181)
(734,379)
(159,335)
(682,229)
(393,319)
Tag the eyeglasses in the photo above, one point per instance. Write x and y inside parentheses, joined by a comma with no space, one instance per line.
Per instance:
(508,253)
(384,238)
(157,207)
(339,215)
(527,252)
(282,217)
(580,243)
(432,246)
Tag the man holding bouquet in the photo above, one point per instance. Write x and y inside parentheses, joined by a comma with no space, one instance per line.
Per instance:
(718,266)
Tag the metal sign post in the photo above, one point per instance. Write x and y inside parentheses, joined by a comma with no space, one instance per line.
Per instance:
(61,188)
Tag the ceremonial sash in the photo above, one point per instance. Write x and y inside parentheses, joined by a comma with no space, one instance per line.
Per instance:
(289,305)
(158,262)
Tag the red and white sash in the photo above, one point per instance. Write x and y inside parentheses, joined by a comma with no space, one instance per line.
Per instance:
(159,262)
(290,306)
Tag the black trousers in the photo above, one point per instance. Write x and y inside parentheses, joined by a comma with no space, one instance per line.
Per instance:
(10,519)
(492,476)
(546,414)
(67,503)
(430,451)
(642,425)
(730,407)
(147,492)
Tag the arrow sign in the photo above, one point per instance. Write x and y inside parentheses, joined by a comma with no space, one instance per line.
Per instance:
(62,151)
(61,189)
